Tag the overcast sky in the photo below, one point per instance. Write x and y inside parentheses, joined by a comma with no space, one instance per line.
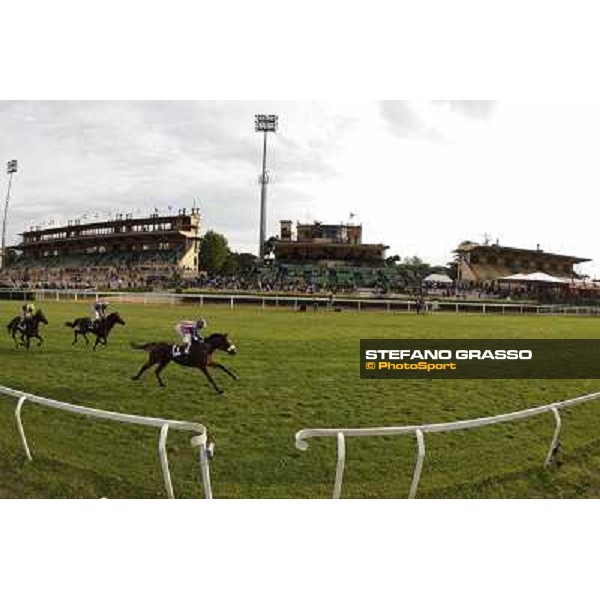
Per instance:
(420,176)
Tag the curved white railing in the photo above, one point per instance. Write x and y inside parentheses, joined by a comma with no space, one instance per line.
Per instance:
(199,439)
(341,433)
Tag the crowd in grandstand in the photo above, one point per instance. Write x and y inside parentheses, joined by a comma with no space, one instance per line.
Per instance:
(275,280)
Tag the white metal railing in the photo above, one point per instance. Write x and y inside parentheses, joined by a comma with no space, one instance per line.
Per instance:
(419,432)
(199,439)
(269,300)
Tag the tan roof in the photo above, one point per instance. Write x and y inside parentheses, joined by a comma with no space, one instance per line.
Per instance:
(470,246)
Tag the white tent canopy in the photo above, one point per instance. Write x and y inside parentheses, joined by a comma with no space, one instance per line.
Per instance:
(538,277)
(438,278)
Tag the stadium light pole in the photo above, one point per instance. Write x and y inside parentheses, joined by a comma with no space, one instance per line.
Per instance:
(265,124)
(11,168)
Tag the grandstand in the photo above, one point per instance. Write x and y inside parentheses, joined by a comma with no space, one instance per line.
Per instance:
(324,255)
(486,263)
(332,245)
(121,252)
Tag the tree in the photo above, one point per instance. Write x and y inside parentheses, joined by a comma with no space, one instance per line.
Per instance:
(414,261)
(390,261)
(231,264)
(452,269)
(247,261)
(10,257)
(214,251)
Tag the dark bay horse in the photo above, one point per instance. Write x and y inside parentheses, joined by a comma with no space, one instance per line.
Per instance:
(30,331)
(200,356)
(101,329)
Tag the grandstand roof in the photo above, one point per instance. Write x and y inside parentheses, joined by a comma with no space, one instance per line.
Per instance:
(497,248)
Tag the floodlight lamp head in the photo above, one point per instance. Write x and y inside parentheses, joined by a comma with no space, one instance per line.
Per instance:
(266,123)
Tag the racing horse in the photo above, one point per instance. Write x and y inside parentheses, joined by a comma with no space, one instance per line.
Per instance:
(200,356)
(101,329)
(31,329)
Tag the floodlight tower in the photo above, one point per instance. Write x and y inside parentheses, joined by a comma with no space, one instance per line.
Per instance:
(11,167)
(264,124)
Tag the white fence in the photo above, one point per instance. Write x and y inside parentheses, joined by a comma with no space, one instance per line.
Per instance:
(274,300)
(199,439)
(419,432)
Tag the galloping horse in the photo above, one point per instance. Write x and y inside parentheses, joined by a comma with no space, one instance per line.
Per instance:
(200,356)
(101,329)
(30,331)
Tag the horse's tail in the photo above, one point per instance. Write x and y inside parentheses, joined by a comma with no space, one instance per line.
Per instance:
(70,324)
(147,346)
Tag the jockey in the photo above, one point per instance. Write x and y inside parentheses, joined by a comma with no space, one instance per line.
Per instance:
(27,312)
(189,332)
(99,311)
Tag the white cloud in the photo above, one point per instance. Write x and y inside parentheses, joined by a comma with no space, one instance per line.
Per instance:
(421,176)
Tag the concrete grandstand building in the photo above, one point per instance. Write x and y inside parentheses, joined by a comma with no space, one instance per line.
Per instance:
(121,252)
(329,255)
(485,263)
(334,245)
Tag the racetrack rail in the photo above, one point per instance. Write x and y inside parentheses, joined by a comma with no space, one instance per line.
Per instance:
(199,439)
(419,431)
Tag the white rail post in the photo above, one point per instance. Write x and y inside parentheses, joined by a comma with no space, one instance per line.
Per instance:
(339,469)
(20,426)
(554,444)
(418,464)
(231,302)
(200,441)
(164,461)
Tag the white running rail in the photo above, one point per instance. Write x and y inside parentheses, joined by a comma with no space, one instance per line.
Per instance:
(419,432)
(269,300)
(199,439)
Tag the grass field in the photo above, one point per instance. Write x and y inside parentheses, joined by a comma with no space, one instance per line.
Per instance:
(296,370)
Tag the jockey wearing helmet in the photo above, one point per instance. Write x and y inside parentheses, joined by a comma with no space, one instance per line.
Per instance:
(99,311)
(27,312)
(190,332)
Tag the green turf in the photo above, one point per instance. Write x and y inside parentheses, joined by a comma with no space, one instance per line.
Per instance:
(296,370)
